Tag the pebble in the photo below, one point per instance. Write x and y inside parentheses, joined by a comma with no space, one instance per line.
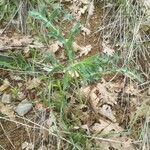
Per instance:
(23,108)
(6,98)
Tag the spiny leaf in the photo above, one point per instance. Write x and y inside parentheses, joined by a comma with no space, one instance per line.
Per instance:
(69,42)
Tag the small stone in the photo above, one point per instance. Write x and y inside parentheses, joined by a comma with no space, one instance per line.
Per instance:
(6,98)
(23,108)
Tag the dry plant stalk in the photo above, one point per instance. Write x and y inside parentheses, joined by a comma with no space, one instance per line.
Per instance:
(23,14)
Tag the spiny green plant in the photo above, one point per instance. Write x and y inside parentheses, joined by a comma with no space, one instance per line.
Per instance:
(88,69)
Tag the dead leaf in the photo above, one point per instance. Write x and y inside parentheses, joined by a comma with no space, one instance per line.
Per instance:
(80,12)
(116,143)
(85,50)
(131,89)
(5,85)
(76,47)
(55,46)
(36,44)
(78,8)
(21,41)
(34,83)
(94,100)
(7,110)
(105,96)
(98,96)
(106,127)
(106,111)
(107,49)
(86,31)
(15,77)
(51,122)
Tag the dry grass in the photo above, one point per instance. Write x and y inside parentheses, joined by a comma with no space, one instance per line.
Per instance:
(126,26)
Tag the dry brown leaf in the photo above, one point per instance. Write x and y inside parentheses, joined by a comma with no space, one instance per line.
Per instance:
(106,127)
(78,8)
(76,47)
(94,100)
(55,46)
(86,31)
(21,41)
(15,77)
(16,41)
(98,96)
(115,87)
(99,127)
(131,89)
(51,122)
(106,111)
(85,50)
(106,97)
(5,85)
(107,49)
(81,11)
(34,83)
(7,110)
(116,143)
(36,44)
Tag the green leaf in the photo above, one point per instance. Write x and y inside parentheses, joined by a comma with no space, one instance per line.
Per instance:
(69,42)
